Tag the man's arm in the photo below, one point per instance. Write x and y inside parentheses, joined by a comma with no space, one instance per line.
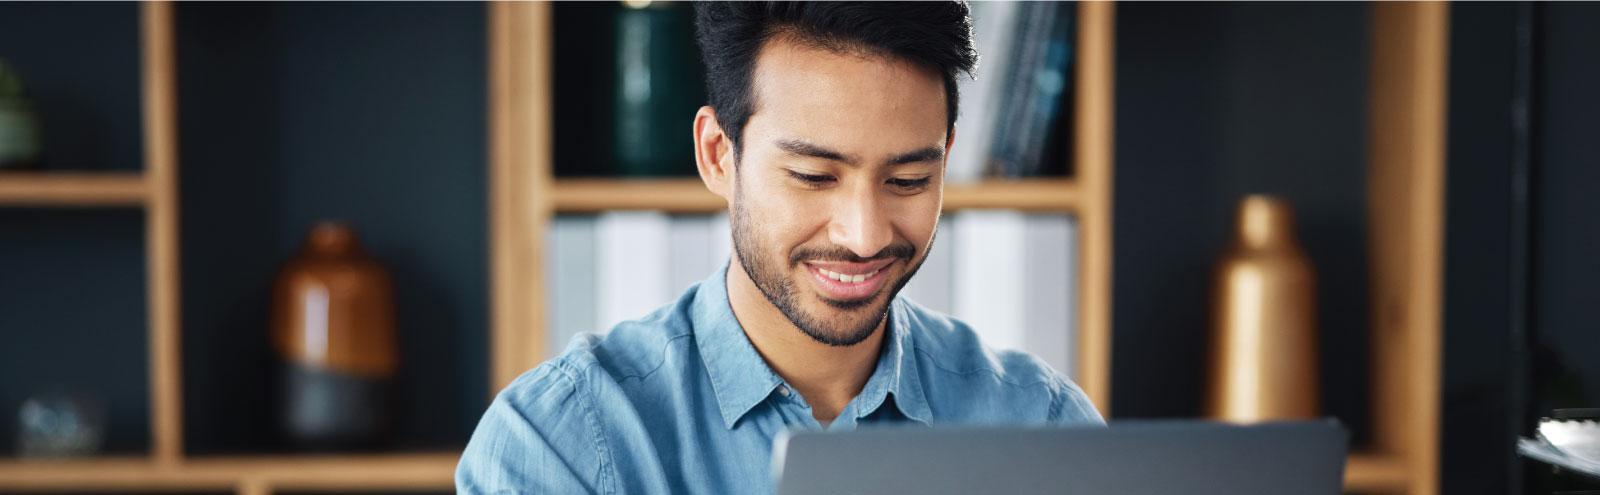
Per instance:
(1071,406)
(539,436)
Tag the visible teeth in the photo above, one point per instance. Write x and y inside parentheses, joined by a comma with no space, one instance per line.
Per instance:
(854,279)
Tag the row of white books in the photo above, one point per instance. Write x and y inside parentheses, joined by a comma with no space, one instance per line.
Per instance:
(1011,275)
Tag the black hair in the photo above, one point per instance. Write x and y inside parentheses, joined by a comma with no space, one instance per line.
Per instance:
(936,35)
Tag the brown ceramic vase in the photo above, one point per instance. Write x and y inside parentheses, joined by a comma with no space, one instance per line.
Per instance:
(333,330)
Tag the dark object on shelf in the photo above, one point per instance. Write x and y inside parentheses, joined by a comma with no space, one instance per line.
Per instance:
(657,89)
(333,327)
(19,127)
(1263,341)
(60,425)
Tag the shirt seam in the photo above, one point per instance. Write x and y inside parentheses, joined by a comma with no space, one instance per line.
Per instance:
(597,433)
(932,360)
(662,361)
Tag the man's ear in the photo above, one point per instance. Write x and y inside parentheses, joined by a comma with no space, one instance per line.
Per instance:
(713,153)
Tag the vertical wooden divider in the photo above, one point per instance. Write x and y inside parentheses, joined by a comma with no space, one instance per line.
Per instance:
(1405,212)
(1094,108)
(521,199)
(160,83)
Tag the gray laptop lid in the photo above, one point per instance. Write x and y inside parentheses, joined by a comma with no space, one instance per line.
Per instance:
(1187,457)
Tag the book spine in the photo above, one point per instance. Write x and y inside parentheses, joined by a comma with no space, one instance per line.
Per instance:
(632,273)
(989,275)
(569,280)
(931,287)
(689,241)
(1051,289)
(981,96)
(1050,81)
(721,241)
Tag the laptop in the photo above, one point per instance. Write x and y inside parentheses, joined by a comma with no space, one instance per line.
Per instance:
(1127,458)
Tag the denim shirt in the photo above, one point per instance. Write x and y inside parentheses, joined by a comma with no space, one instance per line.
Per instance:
(680,402)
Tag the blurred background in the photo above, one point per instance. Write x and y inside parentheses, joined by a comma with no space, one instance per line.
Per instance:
(516,174)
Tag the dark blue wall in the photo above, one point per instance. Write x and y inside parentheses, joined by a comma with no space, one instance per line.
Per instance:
(81,63)
(1215,101)
(371,113)
(289,113)
(1476,436)
(72,285)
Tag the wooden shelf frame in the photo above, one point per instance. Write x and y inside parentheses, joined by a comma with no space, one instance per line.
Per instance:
(1406,160)
(160,93)
(1405,218)
(1364,472)
(239,474)
(1368,472)
(74,189)
(689,195)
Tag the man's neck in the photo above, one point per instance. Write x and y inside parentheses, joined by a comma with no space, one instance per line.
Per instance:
(828,377)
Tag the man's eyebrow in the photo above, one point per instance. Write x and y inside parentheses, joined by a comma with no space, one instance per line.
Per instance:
(802,147)
(928,154)
(805,148)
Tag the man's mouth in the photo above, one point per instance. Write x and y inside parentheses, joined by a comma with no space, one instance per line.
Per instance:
(849,281)
(854,279)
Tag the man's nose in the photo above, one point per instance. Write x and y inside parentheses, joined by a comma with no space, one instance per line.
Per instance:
(860,224)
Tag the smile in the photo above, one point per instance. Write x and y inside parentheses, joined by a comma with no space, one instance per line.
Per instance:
(851,279)
(848,281)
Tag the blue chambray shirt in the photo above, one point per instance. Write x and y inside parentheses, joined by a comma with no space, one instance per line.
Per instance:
(680,402)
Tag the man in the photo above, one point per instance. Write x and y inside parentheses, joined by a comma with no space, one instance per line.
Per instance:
(827,132)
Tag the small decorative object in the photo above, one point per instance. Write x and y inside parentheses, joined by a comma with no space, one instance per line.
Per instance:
(59,425)
(657,88)
(1568,439)
(333,327)
(1263,341)
(19,128)
(1576,432)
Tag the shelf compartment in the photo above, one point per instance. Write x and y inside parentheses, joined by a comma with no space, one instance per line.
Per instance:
(339,472)
(691,196)
(73,189)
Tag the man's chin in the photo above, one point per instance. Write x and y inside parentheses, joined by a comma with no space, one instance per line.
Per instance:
(852,305)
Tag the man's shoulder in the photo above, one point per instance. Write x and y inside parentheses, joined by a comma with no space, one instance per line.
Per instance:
(952,346)
(631,350)
(953,360)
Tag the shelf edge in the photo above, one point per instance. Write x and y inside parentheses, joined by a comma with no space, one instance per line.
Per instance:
(73,189)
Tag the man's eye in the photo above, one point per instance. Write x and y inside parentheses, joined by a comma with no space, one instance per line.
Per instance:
(909,184)
(811,179)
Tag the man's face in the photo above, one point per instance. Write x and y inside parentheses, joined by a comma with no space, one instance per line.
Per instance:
(837,192)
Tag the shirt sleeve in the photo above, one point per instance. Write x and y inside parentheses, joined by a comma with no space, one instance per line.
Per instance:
(1071,406)
(540,435)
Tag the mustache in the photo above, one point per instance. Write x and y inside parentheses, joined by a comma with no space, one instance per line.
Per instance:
(840,253)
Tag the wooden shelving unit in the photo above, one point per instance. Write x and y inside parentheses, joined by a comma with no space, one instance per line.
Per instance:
(166,467)
(691,195)
(1376,473)
(69,189)
(242,474)
(1406,160)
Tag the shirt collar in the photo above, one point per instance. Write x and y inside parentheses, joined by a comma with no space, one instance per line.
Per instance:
(896,373)
(741,379)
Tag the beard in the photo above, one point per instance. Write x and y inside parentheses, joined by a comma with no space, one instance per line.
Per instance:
(854,320)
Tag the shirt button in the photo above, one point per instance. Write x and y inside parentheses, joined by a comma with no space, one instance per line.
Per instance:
(784,391)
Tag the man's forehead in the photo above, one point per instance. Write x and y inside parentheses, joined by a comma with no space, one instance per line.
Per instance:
(832,99)
(783,63)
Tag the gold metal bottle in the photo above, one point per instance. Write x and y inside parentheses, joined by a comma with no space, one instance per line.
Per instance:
(1263,356)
